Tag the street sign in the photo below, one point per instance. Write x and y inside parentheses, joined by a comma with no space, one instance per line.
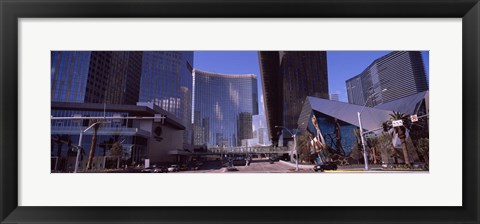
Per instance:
(414,118)
(397,123)
(159,118)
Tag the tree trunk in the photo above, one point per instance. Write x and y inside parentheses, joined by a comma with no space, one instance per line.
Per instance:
(59,149)
(92,149)
(401,135)
(338,134)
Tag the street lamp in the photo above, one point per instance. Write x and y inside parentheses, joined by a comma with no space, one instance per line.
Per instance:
(365,159)
(80,141)
(294,144)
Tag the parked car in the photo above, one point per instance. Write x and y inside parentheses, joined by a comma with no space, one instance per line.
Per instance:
(147,170)
(184,167)
(173,168)
(326,166)
(160,169)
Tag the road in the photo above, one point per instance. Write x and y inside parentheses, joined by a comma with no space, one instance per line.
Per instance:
(256,166)
(264,166)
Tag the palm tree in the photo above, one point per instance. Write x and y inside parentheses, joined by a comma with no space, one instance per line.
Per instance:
(338,135)
(116,151)
(303,147)
(60,140)
(384,146)
(372,144)
(105,145)
(91,154)
(401,132)
(357,151)
(423,148)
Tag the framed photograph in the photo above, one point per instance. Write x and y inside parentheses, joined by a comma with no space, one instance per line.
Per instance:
(246,112)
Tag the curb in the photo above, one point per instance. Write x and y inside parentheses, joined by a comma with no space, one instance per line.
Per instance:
(300,166)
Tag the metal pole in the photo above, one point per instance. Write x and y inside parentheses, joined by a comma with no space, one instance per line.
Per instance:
(80,142)
(78,150)
(363,142)
(295,149)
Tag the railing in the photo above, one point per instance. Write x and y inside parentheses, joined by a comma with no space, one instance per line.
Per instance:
(252,149)
(101,131)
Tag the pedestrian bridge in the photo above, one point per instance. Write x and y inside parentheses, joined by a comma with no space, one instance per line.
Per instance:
(237,150)
(248,150)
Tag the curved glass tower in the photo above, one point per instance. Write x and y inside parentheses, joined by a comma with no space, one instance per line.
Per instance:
(223,108)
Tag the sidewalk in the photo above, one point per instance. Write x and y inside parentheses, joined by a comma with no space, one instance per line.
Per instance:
(300,166)
(357,168)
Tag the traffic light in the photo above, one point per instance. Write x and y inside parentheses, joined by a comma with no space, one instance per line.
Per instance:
(385,127)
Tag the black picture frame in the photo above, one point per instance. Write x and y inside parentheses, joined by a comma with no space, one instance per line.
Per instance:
(11,11)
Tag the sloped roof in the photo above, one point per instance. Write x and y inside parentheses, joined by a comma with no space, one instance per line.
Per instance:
(408,105)
(372,118)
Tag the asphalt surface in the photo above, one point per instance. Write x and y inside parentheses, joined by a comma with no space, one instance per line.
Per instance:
(264,166)
(256,166)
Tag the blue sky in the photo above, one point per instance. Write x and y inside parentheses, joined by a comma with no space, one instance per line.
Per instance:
(342,65)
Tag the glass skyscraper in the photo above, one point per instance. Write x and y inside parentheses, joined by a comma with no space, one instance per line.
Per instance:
(399,73)
(223,108)
(111,77)
(69,74)
(288,77)
(304,74)
(166,81)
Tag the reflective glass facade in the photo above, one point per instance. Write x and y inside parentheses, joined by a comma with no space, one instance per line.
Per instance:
(69,74)
(327,127)
(223,108)
(288,77)
(304,74)
(111,77)
(166,81)
(400,73)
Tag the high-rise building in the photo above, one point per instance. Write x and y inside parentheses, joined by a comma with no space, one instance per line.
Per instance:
(391,77)
(288,77)
(334,96)
(260,130)
(223,107)
(69,74)
(262,136)
(166,81)
(244,125)
(111,77)
(163,78)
